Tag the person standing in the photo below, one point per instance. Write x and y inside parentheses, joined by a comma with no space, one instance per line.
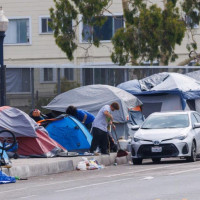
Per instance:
(83,116)
(99,128)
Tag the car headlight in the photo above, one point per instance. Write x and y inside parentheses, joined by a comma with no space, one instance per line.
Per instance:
(137,139)
(181,137)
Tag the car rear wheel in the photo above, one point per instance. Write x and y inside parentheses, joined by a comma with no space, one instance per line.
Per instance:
(193,156)
(156,160)
(137,161)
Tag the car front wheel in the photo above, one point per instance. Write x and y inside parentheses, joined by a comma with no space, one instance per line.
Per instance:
(137,161)
(193,156)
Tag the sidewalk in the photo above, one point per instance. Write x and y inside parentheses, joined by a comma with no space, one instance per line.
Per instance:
(27,167)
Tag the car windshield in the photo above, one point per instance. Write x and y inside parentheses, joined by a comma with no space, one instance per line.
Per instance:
(166,121)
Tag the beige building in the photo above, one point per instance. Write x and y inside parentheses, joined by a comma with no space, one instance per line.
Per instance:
(29,43)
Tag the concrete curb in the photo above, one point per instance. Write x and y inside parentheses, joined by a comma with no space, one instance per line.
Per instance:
(30,167)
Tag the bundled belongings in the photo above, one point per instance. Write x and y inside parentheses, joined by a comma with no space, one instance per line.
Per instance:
(89,164)
(33,140)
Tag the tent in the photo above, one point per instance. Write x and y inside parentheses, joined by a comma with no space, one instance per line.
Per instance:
(70,133)
(165,92)
(33,140)
(194,74)
(92,97)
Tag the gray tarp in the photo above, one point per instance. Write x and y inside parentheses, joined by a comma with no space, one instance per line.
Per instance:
(92,97)
(163,82)
(194,74)
(165,92)
(151,81)
(178,81)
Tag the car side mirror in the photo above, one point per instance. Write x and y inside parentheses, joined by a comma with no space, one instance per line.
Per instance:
(196,125)
(135,127)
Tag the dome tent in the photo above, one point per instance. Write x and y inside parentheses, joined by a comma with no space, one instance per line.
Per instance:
(70,133)
(33,140)
(92,97)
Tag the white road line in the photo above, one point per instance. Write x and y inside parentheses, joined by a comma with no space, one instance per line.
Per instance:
(55,183)
(148,178)
(13,190)
(68,181)
(42,185)
(185,171)
(27,197)
(144,170)
(95,184)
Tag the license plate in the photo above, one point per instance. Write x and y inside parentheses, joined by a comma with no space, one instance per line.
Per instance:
(156,149)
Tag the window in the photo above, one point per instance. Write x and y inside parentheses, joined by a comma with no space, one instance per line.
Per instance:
(69,74)
(192,63)
(44,25)
(48,74)
(189,22)
(103,76)
(106,32)
(100,76)
(155,121)
(198,117)
(193,119)
(87,76)
(18,31)
(18,80)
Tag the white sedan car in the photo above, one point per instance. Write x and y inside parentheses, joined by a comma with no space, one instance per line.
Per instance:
(167,134)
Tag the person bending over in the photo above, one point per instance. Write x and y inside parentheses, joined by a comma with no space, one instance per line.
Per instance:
(83,116)
(99,128)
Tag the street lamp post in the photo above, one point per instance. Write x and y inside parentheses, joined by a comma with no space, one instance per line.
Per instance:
(3,27)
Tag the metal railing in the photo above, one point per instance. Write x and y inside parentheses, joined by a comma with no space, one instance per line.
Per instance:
(40,93)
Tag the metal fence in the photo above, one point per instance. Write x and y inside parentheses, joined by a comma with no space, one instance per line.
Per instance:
(28,87)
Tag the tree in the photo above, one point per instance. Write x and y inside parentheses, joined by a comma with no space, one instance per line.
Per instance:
(151,33)
(192,10)
(67,11)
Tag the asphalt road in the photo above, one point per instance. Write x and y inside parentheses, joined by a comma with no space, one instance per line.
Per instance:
(170,180)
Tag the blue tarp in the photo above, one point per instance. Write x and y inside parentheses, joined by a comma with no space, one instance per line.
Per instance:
(70,133)
(165,83)
(6,179)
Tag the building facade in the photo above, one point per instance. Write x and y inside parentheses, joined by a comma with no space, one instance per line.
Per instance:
(30,44)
